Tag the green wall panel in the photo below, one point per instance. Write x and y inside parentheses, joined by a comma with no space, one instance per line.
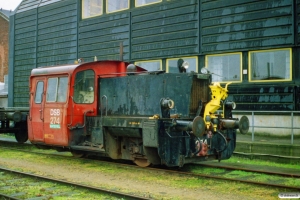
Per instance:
(25,51)
(51,32)
(102,36)
(245,24)
(45,34)
(57,33)
(165,30)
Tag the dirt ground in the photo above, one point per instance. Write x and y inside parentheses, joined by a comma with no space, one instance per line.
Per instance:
(124,183)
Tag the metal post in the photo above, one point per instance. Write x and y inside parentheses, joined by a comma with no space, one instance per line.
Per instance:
(292,134)
(252,126)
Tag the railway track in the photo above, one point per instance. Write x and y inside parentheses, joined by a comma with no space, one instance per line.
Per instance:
(223,174)
(277,173)
(18,185)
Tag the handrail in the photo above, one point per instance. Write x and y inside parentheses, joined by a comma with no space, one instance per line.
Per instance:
(84,120)
(104,96)
(291,127)
(69,125)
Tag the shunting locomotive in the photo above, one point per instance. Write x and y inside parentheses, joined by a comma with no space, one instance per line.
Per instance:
(119,110)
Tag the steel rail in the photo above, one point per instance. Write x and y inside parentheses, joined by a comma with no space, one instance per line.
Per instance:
(251,170)
(205,176)
(6,197)
(97,189)
(241,181)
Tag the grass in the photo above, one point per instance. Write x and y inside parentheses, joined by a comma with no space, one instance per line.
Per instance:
(31,188)
(241,160)
(144,176)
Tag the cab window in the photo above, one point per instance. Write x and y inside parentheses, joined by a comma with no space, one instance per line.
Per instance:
(39,92)
(84,87)
(57,89)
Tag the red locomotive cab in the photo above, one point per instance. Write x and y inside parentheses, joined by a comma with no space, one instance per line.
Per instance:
(62,96)
(49,102)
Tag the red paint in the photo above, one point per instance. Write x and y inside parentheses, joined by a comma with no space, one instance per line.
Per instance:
(50,122)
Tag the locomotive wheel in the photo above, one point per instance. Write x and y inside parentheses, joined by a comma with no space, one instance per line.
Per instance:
(142,162)
(21,136)
(78,154)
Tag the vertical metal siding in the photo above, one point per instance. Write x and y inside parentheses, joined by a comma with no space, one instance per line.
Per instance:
(246,24)
(11,61)
(45,35)
(298,21)
(57,33)
(27,5)
(24,58)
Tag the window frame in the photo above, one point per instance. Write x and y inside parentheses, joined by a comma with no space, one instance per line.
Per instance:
(82,10)
(271,80)
(226,54)
(167,63)
(56,91)
(80,90)
(106,9)
(148,61)
(49,97)
(135,3)
(38,99)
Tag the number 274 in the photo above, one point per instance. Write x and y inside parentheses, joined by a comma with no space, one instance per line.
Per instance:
(54,120)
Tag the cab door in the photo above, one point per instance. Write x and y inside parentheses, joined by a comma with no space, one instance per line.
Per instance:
(36,115)
(55,109)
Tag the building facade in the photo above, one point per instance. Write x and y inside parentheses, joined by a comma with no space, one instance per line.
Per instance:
(253,44)
(4,41)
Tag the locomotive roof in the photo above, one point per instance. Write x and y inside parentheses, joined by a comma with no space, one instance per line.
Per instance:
(54,70)
(66,69)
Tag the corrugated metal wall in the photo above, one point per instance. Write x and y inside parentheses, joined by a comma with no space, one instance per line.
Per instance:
(50,32)
(25,52)
(57,33)
(45,35)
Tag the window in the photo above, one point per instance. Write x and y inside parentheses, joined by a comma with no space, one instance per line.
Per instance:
(84,87)
(151,65)
(57,89)
(116,5)
(270,65)
(62,89)
(91,8)
(225,67)
(145,2)
(39,92)
(174,64)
